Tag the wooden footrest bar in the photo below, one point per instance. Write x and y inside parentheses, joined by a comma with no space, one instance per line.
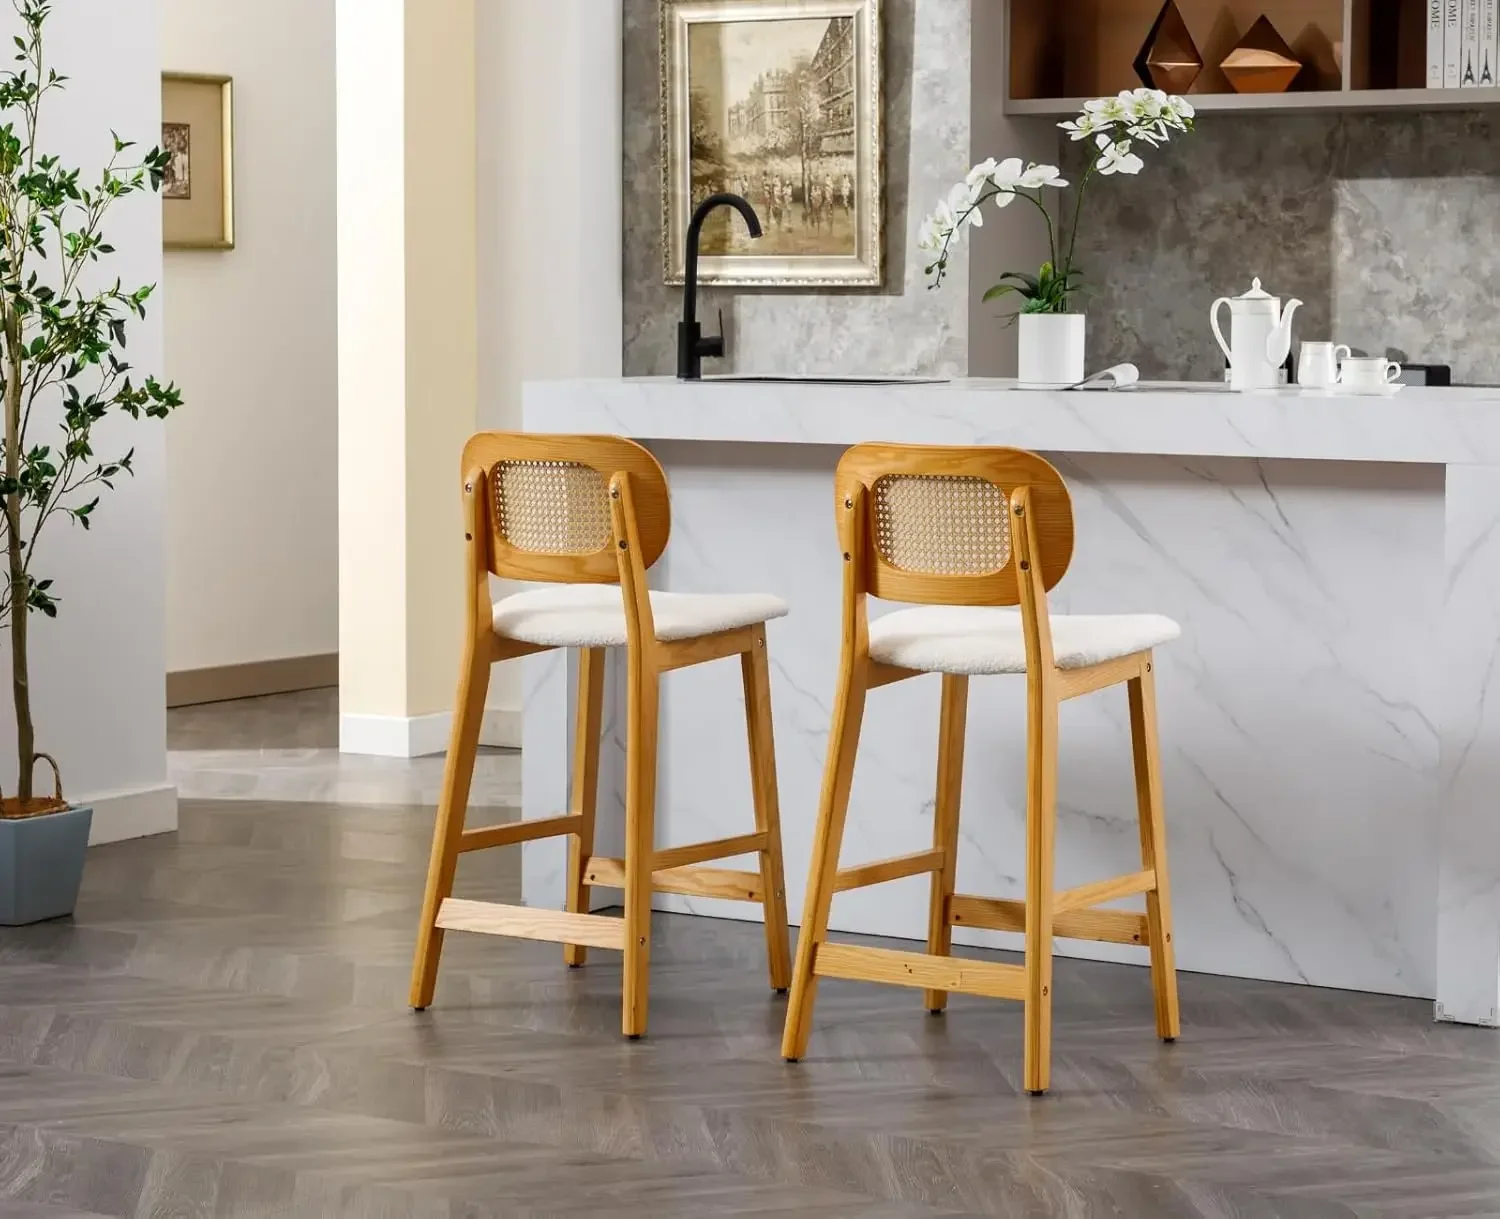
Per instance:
(882,870)
(701,852)
(999,914)
(691,882)
(523,922)
(1101,891)
(986,978)
(518,831)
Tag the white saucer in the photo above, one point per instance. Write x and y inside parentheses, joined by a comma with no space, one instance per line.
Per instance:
(1354,391)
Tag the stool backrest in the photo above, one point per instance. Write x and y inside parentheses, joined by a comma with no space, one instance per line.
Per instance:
(938,526)
(546,508)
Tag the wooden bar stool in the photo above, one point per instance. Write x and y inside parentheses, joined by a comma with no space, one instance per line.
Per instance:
(958,532)
(589,515)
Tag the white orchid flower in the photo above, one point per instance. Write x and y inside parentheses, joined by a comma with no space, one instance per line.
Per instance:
(1006,197)
(980,174)
(1144,103)
(1085,125)
(1108,109)
(1007,175)
(1116,157)
(1037,176)
(1179,108)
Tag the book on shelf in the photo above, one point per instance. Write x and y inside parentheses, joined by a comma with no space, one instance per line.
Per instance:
(1489,41)
(1435,43)
(1452,42)
(1468,72)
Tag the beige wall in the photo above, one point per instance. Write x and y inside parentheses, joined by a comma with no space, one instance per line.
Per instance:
(252,541)
(407,356)
(441,336)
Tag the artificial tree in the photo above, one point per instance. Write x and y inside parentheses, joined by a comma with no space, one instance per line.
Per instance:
(63,328)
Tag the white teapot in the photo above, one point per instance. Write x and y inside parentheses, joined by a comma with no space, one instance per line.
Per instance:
(1260,334)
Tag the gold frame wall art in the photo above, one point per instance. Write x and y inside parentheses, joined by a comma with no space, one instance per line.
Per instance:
(778,101)
(197,196)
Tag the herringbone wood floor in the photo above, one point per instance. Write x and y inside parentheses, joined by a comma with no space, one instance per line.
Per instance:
(223,1031)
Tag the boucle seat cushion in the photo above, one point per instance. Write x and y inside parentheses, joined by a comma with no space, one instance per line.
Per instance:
(593,615)
(979,640)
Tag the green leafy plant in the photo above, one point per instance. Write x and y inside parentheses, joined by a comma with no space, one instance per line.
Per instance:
(1048,291)
(62,372)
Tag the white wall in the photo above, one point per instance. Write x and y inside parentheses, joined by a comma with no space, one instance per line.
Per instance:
(251,336)
(98,669)
(549,161)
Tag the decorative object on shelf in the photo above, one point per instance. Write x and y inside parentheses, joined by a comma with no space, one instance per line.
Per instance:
(780,104)
(1261,62)
(1169,58)
(1052,353)
(64,372)
(197,133)
(1260,337)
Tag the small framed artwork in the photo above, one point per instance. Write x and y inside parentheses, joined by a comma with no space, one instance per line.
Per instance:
(197,194)
(777,101)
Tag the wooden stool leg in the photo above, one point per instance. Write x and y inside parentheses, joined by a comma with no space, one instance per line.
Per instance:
(585,784)
(755,670)
(1041,830)
(950,773)
(458,772)
(1142,692)
(833,804)
(640,840)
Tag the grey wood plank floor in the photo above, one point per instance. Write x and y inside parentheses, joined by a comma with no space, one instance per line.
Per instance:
(222,1031)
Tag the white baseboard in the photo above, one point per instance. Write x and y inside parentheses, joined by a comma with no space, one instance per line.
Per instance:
(132,814)
(420,736)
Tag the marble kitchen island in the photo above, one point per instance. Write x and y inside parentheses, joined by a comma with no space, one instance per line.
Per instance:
(1330,719)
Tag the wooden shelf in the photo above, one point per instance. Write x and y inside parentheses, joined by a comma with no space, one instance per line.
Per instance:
(1289,103)
(1358,55)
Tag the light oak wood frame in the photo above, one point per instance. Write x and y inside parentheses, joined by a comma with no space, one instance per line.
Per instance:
(1040,522)
(639,524)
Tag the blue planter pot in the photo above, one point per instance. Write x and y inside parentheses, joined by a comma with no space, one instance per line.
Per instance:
(41,865)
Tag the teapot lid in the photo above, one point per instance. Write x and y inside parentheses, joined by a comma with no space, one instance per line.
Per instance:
(1256,293)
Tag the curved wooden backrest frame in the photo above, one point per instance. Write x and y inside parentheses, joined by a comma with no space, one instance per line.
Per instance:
(865,465)
(493,453)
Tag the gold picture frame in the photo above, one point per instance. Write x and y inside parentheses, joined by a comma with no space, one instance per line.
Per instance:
(779,101)
(197,196)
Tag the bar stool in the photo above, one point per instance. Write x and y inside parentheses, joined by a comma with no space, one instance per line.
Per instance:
(589,515)
(958,532)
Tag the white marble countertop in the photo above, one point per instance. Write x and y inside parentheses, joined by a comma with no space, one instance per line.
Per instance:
(1419,425)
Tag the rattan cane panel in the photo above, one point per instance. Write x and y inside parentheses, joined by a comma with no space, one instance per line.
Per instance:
(942,525)
(551,507)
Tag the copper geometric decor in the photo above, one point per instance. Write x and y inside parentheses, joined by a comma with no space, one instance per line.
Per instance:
(1262,62)
(1169,59)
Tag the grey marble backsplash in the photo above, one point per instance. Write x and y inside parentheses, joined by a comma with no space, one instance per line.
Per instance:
(898,329)
(1387,226)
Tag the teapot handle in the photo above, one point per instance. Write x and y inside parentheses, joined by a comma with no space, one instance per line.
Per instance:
(1213,320)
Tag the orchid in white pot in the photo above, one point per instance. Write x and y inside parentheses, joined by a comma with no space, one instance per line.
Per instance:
(1119,128)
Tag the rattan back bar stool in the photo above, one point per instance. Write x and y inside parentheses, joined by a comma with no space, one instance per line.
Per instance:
(961,532)
(588,515)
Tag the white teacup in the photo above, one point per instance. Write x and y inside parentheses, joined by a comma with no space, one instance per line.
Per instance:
(1368,372)
(1318,365)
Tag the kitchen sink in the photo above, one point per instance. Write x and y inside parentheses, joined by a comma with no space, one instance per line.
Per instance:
(838,380)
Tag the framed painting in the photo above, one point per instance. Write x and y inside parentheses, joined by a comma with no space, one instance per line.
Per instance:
(197,194)
(777,101)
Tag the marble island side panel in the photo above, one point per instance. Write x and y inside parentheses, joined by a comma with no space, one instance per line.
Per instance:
(1327,729)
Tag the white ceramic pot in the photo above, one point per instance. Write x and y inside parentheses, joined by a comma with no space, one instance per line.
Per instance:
(1051,348)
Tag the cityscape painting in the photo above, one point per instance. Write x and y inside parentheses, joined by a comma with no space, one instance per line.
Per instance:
(779,102)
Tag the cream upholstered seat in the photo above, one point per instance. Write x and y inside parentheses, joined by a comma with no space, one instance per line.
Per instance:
(593,615)
(981,640)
